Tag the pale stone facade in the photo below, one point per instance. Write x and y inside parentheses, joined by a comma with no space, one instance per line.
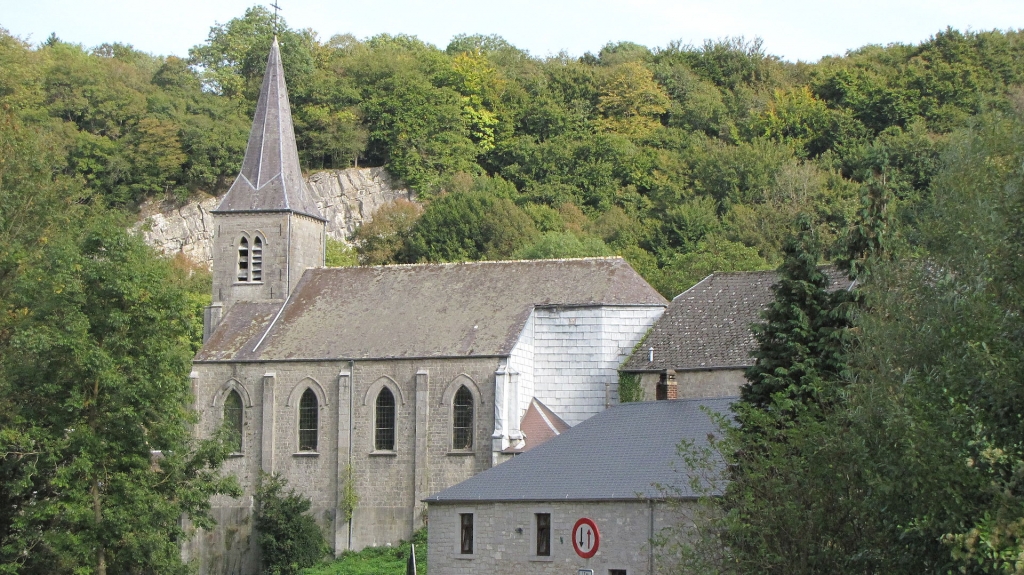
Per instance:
(505,537)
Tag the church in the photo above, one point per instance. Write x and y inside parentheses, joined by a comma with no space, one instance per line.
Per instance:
(371,388)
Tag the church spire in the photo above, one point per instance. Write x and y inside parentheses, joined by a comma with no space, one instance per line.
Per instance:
(270,179)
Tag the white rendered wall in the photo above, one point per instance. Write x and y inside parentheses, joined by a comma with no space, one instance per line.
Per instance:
(521,361)
(576,353)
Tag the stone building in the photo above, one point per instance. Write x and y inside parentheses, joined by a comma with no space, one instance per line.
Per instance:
(370,388)
(520,517)
(702,345)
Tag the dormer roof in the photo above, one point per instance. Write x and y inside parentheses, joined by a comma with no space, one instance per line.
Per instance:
(271,179)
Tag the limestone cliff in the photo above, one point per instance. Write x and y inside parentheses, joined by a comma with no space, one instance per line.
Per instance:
(347,198)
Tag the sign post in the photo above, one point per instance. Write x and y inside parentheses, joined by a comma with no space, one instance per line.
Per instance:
(585,538)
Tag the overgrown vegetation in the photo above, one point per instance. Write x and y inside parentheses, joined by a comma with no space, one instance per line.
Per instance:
(378,560)
(289,538)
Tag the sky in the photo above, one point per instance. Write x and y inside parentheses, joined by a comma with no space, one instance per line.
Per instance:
(791,29)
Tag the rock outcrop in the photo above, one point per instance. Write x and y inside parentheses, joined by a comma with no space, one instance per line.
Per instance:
(347,198)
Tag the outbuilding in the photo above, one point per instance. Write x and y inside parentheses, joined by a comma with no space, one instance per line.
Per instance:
(594,497)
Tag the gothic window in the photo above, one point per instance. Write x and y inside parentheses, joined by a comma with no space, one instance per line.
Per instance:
(256,260)
(466,528)
(233,419)
(384,421)
(243,260)
(462,419)
(543,534)
(308,415)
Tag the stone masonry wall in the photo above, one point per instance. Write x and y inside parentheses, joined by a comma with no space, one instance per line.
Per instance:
(505,537)
(347,198)
(389,484)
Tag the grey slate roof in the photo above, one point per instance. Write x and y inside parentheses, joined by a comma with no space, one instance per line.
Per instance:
(621,453)
(421,310)
(708,325)
(271,179)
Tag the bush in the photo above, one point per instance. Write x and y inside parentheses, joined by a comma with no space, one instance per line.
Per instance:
(289,539)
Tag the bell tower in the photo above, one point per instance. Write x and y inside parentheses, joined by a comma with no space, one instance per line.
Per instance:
(267,229)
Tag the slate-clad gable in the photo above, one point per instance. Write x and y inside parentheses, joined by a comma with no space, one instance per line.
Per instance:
(271,179)
(425,310)
(622,453)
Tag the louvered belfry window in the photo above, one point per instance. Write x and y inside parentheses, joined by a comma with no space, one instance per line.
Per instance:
(462,419)
(256,260)
(233,419)
(308,416)
(243,260)
(384,432)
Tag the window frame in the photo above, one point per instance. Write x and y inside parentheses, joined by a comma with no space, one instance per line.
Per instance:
(242,269)
(460,544)
(302,407)
(240,418)
(470,428)
(377,429)
(535,535)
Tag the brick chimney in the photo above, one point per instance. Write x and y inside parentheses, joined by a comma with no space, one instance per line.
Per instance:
(671,388)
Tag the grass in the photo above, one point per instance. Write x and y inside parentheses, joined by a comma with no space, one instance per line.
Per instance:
(377,560)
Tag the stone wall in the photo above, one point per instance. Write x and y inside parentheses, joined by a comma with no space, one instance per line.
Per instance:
(697,383)
(347,198)
(505,537)
(389,484)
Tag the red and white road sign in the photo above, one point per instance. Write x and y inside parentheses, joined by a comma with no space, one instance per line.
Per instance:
(585,538)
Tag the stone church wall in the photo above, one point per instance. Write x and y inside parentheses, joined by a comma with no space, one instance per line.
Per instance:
(389,484)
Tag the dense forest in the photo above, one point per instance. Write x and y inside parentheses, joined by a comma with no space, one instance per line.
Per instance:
(882,432)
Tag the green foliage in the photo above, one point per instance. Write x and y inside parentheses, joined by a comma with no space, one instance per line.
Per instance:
(629,387)
(381,240)
(289,539)
(467,226)
(340,255)
(715,254)
(377,560)
(801,344)
(555,245)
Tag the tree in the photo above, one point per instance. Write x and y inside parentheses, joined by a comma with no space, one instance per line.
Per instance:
(289,539)
(469,226)
(100,457)
(802,344)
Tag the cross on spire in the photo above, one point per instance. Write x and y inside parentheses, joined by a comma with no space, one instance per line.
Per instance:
(276,9)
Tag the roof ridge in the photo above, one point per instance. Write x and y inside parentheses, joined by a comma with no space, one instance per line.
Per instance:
(478,262)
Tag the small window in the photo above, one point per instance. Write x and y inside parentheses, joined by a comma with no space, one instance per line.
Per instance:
(466,541)
(462,422)
(233,419)
(616,572)
(543,534)
(308,415)
(256,260)
(384,432)
(243,260)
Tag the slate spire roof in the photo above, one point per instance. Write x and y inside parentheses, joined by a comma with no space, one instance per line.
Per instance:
(271,179)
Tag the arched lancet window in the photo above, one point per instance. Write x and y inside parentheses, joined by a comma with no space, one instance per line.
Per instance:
(243,260)
(308,421)
(384,426)
(256,260)
(233,419)
(462,419)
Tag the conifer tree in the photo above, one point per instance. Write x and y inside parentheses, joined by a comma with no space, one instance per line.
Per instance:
(801,344)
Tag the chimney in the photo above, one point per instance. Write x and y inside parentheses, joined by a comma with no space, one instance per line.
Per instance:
(671,389)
